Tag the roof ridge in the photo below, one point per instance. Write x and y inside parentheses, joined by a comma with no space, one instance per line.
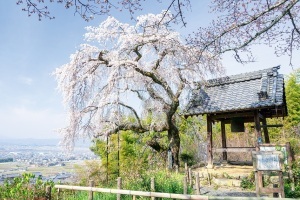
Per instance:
(241,77)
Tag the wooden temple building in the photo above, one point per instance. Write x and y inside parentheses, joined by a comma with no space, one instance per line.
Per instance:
(239,99)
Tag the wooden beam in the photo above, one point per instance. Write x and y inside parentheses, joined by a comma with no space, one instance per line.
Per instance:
(231,115)
(223,135)
(209,142)
(270,126)
(266,132)
(246,120)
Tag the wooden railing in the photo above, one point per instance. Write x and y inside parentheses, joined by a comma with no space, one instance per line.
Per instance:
(153,194)
(132,192)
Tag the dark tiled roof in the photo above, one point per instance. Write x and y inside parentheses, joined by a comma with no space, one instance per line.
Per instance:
(247,91)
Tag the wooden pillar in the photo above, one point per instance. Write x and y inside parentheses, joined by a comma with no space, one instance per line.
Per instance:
(281,185)
(91,195)
(266,132)
(48,192)
(185,185)
(257,129)
(152,185)
(209,143)
(224,145)
(119,185)
(197,184)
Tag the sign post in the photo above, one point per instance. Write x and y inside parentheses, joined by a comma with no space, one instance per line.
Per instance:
(268,161)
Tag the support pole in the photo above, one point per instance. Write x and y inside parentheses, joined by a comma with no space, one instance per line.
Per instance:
(224,145)
(91,195)
(190,177)
(119,184)
(209,143)
(186,169)
(197,184)
(257,129)
(152,187)
(266,132)
(185,185)
(48,192)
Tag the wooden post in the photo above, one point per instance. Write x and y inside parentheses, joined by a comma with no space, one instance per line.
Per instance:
(290,162)
(209,178)
(176,169)
(224,145)
(91,184)
(209,143)
(48,192)
(266,132)
(119,187)
(258,182)
(186,169)
(152,187)
(197,184)
(190,177)
(184,185)
(58,193)
(281,185)
(257,129)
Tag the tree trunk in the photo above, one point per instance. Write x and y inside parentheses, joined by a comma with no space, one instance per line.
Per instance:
(174,144)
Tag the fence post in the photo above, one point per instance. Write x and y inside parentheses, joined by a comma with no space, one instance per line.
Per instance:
(190,177)
(176,169)
(290,160)
(48,192)
(186,169)
(91,184)
(58,193)
(119,187)
(197,184)
(209,178)
(152,187)
(184,185)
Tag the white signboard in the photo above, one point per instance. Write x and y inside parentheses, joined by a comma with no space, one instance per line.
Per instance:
(268,162)
(276,148)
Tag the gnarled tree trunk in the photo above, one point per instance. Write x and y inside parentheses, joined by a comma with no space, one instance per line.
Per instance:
(174,144)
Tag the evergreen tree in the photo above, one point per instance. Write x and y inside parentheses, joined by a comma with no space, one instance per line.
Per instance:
(293,99)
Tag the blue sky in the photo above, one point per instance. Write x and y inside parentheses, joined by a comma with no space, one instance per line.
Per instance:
(30,50)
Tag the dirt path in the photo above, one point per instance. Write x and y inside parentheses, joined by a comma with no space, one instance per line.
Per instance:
(226,192)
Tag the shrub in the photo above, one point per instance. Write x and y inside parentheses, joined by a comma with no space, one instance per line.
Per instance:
(24,187)
(248,182)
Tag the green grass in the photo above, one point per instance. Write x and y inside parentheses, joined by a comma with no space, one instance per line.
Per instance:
(24,188)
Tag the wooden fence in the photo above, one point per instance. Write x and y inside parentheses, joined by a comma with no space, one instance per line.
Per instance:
(151,195)
(191,179)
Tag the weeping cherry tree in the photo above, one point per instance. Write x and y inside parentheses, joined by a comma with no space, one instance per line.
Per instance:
(123,74)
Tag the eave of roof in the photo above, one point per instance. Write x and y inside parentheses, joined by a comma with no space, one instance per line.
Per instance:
(261,89)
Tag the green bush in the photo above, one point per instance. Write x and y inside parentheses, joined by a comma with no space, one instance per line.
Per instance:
(248,182)
(288,184)
(24,187)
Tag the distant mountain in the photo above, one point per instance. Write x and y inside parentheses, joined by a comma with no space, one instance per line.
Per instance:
(39,142)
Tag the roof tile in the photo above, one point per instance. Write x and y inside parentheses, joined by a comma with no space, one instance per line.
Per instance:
(250,90)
